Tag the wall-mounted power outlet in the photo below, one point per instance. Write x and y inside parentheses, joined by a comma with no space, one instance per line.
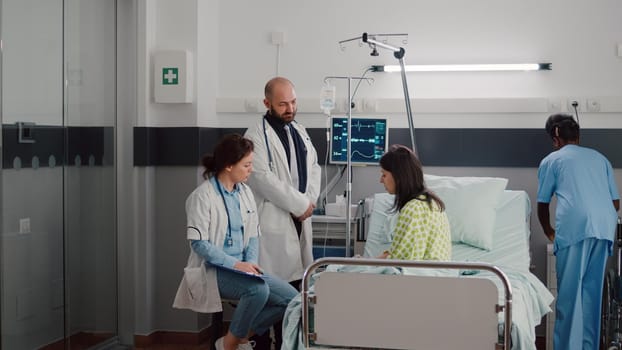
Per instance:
(592,105)
(24,225)
(251,105)
(555,105)
(369,105)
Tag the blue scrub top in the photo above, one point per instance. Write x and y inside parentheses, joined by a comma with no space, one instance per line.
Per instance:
(583,182)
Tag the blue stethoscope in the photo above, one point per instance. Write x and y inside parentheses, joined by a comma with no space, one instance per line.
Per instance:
(229,239)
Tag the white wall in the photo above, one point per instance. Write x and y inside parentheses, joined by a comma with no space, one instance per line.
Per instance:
(234,56)
(578,37)
(164,25)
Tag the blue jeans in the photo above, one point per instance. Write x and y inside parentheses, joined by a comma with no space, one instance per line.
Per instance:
(261,301)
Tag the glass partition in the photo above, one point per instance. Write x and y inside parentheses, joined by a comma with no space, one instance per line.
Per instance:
(58,239)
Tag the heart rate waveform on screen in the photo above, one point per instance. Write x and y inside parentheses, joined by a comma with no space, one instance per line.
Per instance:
(368,140)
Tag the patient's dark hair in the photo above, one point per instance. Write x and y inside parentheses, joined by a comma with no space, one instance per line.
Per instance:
(563,126)
(407,173)
(230,149)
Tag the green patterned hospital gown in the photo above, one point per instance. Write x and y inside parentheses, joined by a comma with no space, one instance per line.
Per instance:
(421,233)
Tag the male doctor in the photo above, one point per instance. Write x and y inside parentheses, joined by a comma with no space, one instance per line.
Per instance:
(286,183)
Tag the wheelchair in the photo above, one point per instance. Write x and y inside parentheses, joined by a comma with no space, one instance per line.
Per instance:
(611,312)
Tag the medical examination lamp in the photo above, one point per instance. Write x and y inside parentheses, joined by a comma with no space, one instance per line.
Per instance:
(464,67)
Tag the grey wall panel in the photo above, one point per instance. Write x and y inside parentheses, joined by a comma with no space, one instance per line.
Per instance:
(436,147)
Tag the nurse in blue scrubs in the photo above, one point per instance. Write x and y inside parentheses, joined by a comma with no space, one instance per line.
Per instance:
(583,182)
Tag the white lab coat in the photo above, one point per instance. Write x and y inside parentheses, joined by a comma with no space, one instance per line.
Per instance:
(280,251)
(207,220)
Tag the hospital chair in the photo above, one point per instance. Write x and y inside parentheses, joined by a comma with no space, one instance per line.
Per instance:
(611,315)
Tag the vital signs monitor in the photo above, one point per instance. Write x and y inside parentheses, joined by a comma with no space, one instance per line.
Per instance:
(369,137)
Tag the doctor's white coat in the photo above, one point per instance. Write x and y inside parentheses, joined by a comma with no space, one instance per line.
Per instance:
(280,251)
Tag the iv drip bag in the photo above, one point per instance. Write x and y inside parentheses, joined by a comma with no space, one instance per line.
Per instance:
(327,98)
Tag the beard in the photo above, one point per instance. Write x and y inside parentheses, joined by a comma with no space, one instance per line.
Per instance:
(286,117)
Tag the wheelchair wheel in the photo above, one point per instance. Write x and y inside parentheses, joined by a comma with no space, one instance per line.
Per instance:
(606,316)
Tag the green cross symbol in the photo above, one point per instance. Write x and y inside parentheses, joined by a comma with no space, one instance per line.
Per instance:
(170,76)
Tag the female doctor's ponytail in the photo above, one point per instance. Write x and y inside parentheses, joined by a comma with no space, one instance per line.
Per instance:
(230,149)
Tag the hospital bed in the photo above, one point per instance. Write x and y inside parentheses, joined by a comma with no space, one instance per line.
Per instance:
(507,258)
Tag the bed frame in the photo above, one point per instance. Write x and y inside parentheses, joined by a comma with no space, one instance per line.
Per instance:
(366,310)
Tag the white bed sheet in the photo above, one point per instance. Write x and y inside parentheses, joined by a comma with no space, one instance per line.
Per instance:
(511,239)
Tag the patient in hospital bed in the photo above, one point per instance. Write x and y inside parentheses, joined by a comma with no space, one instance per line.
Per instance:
(477,220)
(422,228)
(488,224)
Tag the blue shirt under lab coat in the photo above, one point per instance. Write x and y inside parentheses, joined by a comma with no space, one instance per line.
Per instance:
(229,254)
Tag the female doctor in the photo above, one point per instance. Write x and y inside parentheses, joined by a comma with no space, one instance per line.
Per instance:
(223,231)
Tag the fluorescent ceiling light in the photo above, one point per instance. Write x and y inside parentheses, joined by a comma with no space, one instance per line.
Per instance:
(464,67)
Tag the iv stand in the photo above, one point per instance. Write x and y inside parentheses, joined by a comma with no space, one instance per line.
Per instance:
(399,54)
(349,159)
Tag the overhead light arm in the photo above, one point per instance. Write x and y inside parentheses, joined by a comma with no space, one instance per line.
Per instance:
(398,52)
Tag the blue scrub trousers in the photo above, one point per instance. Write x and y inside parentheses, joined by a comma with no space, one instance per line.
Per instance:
(580,274)
(261,301)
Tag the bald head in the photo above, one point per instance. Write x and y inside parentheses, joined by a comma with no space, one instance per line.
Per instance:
(273,83)
(280,99)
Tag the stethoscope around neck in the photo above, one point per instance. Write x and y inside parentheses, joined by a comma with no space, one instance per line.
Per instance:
(229,238)
(268,150)
(265,136)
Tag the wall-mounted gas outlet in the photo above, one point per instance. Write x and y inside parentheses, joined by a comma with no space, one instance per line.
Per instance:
(570,105)
(24,225)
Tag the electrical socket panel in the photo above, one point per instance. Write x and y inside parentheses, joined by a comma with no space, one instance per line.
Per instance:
(369,105)
(592,105)
(555,105)
(251,105)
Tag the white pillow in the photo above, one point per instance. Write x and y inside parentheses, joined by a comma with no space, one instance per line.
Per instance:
(471,204)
